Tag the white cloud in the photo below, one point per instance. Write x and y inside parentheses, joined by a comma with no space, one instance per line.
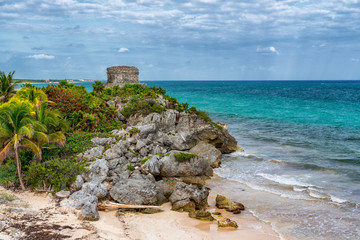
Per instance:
(41,56)
(355,60)
(121,50)
(267,50)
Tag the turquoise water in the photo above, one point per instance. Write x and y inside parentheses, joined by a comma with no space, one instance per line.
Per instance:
(302,150)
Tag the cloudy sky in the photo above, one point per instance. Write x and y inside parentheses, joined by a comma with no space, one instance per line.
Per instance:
(182,40)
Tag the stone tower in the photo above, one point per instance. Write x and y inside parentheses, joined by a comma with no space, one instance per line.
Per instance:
(121,75)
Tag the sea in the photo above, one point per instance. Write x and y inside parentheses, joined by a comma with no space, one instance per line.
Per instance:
(301,158)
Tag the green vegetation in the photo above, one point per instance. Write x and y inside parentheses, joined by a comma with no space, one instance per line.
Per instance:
(8,197)
(144,161)
(8,174)
(43,130)
(130,167)
(133,131)
(181,157)
(56,174)
(7,85)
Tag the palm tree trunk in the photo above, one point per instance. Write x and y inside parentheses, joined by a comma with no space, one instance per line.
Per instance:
(18,165)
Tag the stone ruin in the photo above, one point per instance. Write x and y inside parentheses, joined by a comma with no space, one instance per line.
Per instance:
(121,75)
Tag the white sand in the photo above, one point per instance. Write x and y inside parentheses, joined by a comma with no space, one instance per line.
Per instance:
(164,225)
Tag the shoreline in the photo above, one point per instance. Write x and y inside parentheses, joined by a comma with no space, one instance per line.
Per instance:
(165,225)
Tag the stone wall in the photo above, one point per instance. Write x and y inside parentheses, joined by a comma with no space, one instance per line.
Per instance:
(121,75)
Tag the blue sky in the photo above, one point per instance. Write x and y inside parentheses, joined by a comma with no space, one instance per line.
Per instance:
(182,40)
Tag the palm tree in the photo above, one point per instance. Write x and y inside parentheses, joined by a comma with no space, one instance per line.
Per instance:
(33,94)
(18,129)
(54,123)
(6,86)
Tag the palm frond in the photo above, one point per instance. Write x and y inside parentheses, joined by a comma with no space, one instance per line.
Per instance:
(32,146)
(5,151)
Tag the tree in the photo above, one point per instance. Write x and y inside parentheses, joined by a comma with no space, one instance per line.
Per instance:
(6,86)
(18,129)
(33,94)
(55,124)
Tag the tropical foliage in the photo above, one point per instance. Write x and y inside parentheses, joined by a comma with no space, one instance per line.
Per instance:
(18,130)
(6,86)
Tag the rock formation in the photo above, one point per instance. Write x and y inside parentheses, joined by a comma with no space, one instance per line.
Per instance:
(159,157)
(121,75)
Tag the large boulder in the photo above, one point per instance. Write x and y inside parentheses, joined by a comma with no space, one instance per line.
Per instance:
(189,197)
(224,202)
(209,152)
(172,166)
(89,212)
(77,200)
(96,189)
(135,191)
(97,171)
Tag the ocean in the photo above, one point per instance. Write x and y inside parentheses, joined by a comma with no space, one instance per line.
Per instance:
(301,159)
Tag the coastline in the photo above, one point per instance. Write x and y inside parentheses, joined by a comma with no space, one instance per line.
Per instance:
(165,225)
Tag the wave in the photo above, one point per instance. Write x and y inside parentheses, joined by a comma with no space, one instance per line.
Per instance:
(284,179)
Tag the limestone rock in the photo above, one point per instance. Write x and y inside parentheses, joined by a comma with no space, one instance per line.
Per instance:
(93,152)
(153,165)
(76,186)
(97,172)
(184,194)
(62,194)
(78,199)
(201,215)
(209,152)
(223,202)
(89,212)
(135,191)
(165,187)
(196,166)
(95,188)
(227,223)
(103,141)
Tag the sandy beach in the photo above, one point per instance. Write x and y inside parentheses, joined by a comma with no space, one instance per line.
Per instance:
(32,215)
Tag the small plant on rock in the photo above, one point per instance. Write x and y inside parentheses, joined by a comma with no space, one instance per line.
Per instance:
(181,157)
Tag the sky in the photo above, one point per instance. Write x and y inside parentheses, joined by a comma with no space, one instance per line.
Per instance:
(182,40)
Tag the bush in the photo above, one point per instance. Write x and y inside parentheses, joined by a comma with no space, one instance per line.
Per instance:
(181,157)
(57,173)
(8,174)
(141,106)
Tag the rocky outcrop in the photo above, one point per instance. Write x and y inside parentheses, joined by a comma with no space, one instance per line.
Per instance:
(196,166)
(208,152)
(183,131)
(157,158)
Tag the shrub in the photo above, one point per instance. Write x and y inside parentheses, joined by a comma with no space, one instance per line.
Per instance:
(57,173)
(8,174)
(181,157)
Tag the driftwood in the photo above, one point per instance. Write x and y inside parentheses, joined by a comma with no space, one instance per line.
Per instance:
(112,205)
